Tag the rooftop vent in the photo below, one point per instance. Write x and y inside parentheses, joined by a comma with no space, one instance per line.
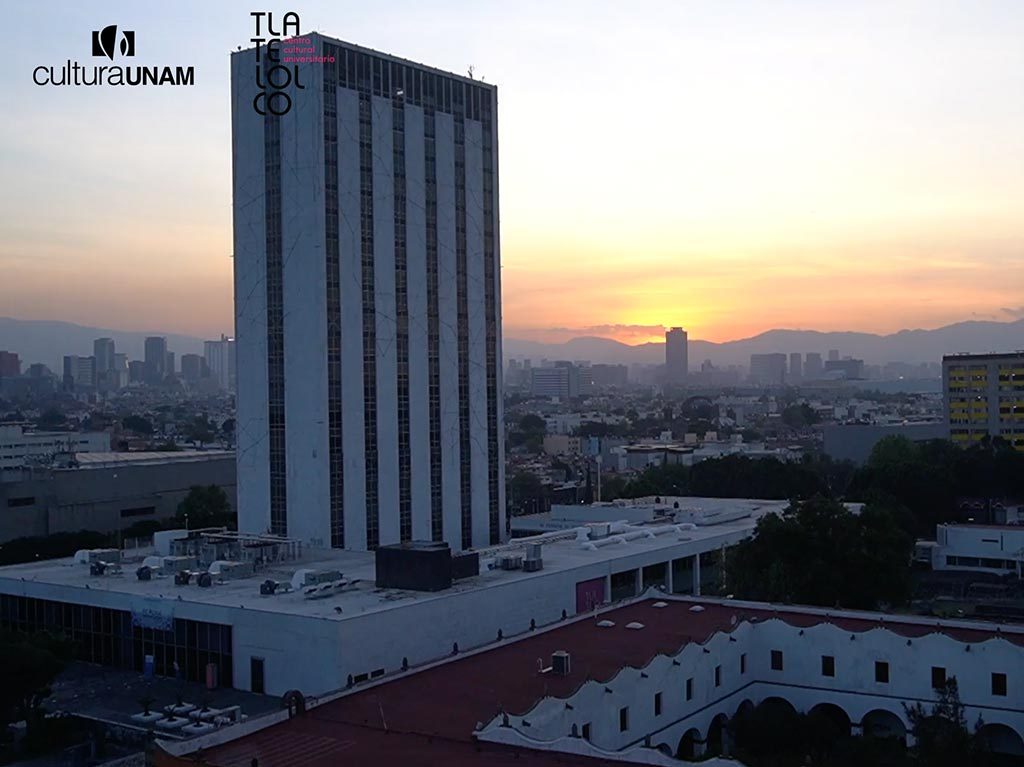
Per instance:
(560,663)
(511,562)
(635,626)
(660,604)
(696,609)
(606,624)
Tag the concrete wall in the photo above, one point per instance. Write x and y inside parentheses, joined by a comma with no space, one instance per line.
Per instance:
(68,500)
(854,442)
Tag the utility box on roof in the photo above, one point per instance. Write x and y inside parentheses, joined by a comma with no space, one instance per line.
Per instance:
(417,566)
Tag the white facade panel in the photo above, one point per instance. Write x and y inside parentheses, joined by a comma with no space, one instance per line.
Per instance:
(386,326)
(250,266)
(304,277)
(477,311)
(349,242)
(416,270)
(448,323)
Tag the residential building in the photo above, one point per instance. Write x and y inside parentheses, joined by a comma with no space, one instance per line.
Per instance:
(677,359)
(984,397)
(368,304)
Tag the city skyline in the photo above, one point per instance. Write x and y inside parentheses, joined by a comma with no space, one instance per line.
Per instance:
(879,189)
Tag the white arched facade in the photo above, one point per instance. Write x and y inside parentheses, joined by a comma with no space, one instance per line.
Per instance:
(873,674)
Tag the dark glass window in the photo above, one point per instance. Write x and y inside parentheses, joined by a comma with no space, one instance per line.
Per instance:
(998,683)
(776,660)
(938,677)
(881,671)
(828,665)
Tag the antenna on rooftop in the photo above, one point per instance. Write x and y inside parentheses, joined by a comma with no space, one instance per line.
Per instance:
(471,68)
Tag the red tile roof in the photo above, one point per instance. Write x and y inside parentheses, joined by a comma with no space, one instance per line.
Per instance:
(428,717)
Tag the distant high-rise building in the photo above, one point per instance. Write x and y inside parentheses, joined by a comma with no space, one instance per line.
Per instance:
(768,369)
(220,359)
(849,368)
(368,304)
(171,367)
(984,397)
(813,367)
(156,359)
(103,351)
(609,376)
(833,355)
(136,371)
(192,366)
(10,365)
(796,368)
(560,380)
(79,372)
(677,360)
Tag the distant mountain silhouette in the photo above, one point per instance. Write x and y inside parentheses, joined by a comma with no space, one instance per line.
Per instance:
(912,346)
(48,341)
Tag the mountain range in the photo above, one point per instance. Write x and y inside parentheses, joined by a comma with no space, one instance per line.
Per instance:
(912,346)
(48,341)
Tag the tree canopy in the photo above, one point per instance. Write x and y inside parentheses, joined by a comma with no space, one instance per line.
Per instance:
(819,553)
(206,506)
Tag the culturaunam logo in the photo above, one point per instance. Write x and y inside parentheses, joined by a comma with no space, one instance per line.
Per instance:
(103,42)
(106,43)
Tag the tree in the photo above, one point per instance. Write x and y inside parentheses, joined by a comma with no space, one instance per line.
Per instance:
(799,416)
(206,506)
(28,665)
(940,733)
(819,553)
(137,424)
(200,430)
(524,488)
(51,418)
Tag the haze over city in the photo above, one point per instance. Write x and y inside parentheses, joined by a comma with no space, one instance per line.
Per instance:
(840,166)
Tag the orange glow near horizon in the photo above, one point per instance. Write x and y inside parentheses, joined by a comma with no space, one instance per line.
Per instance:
(726,167)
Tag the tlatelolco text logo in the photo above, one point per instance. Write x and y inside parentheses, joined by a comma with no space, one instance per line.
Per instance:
(273,74)
(109,43)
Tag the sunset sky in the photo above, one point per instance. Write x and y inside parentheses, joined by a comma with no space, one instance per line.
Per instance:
(726,166)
